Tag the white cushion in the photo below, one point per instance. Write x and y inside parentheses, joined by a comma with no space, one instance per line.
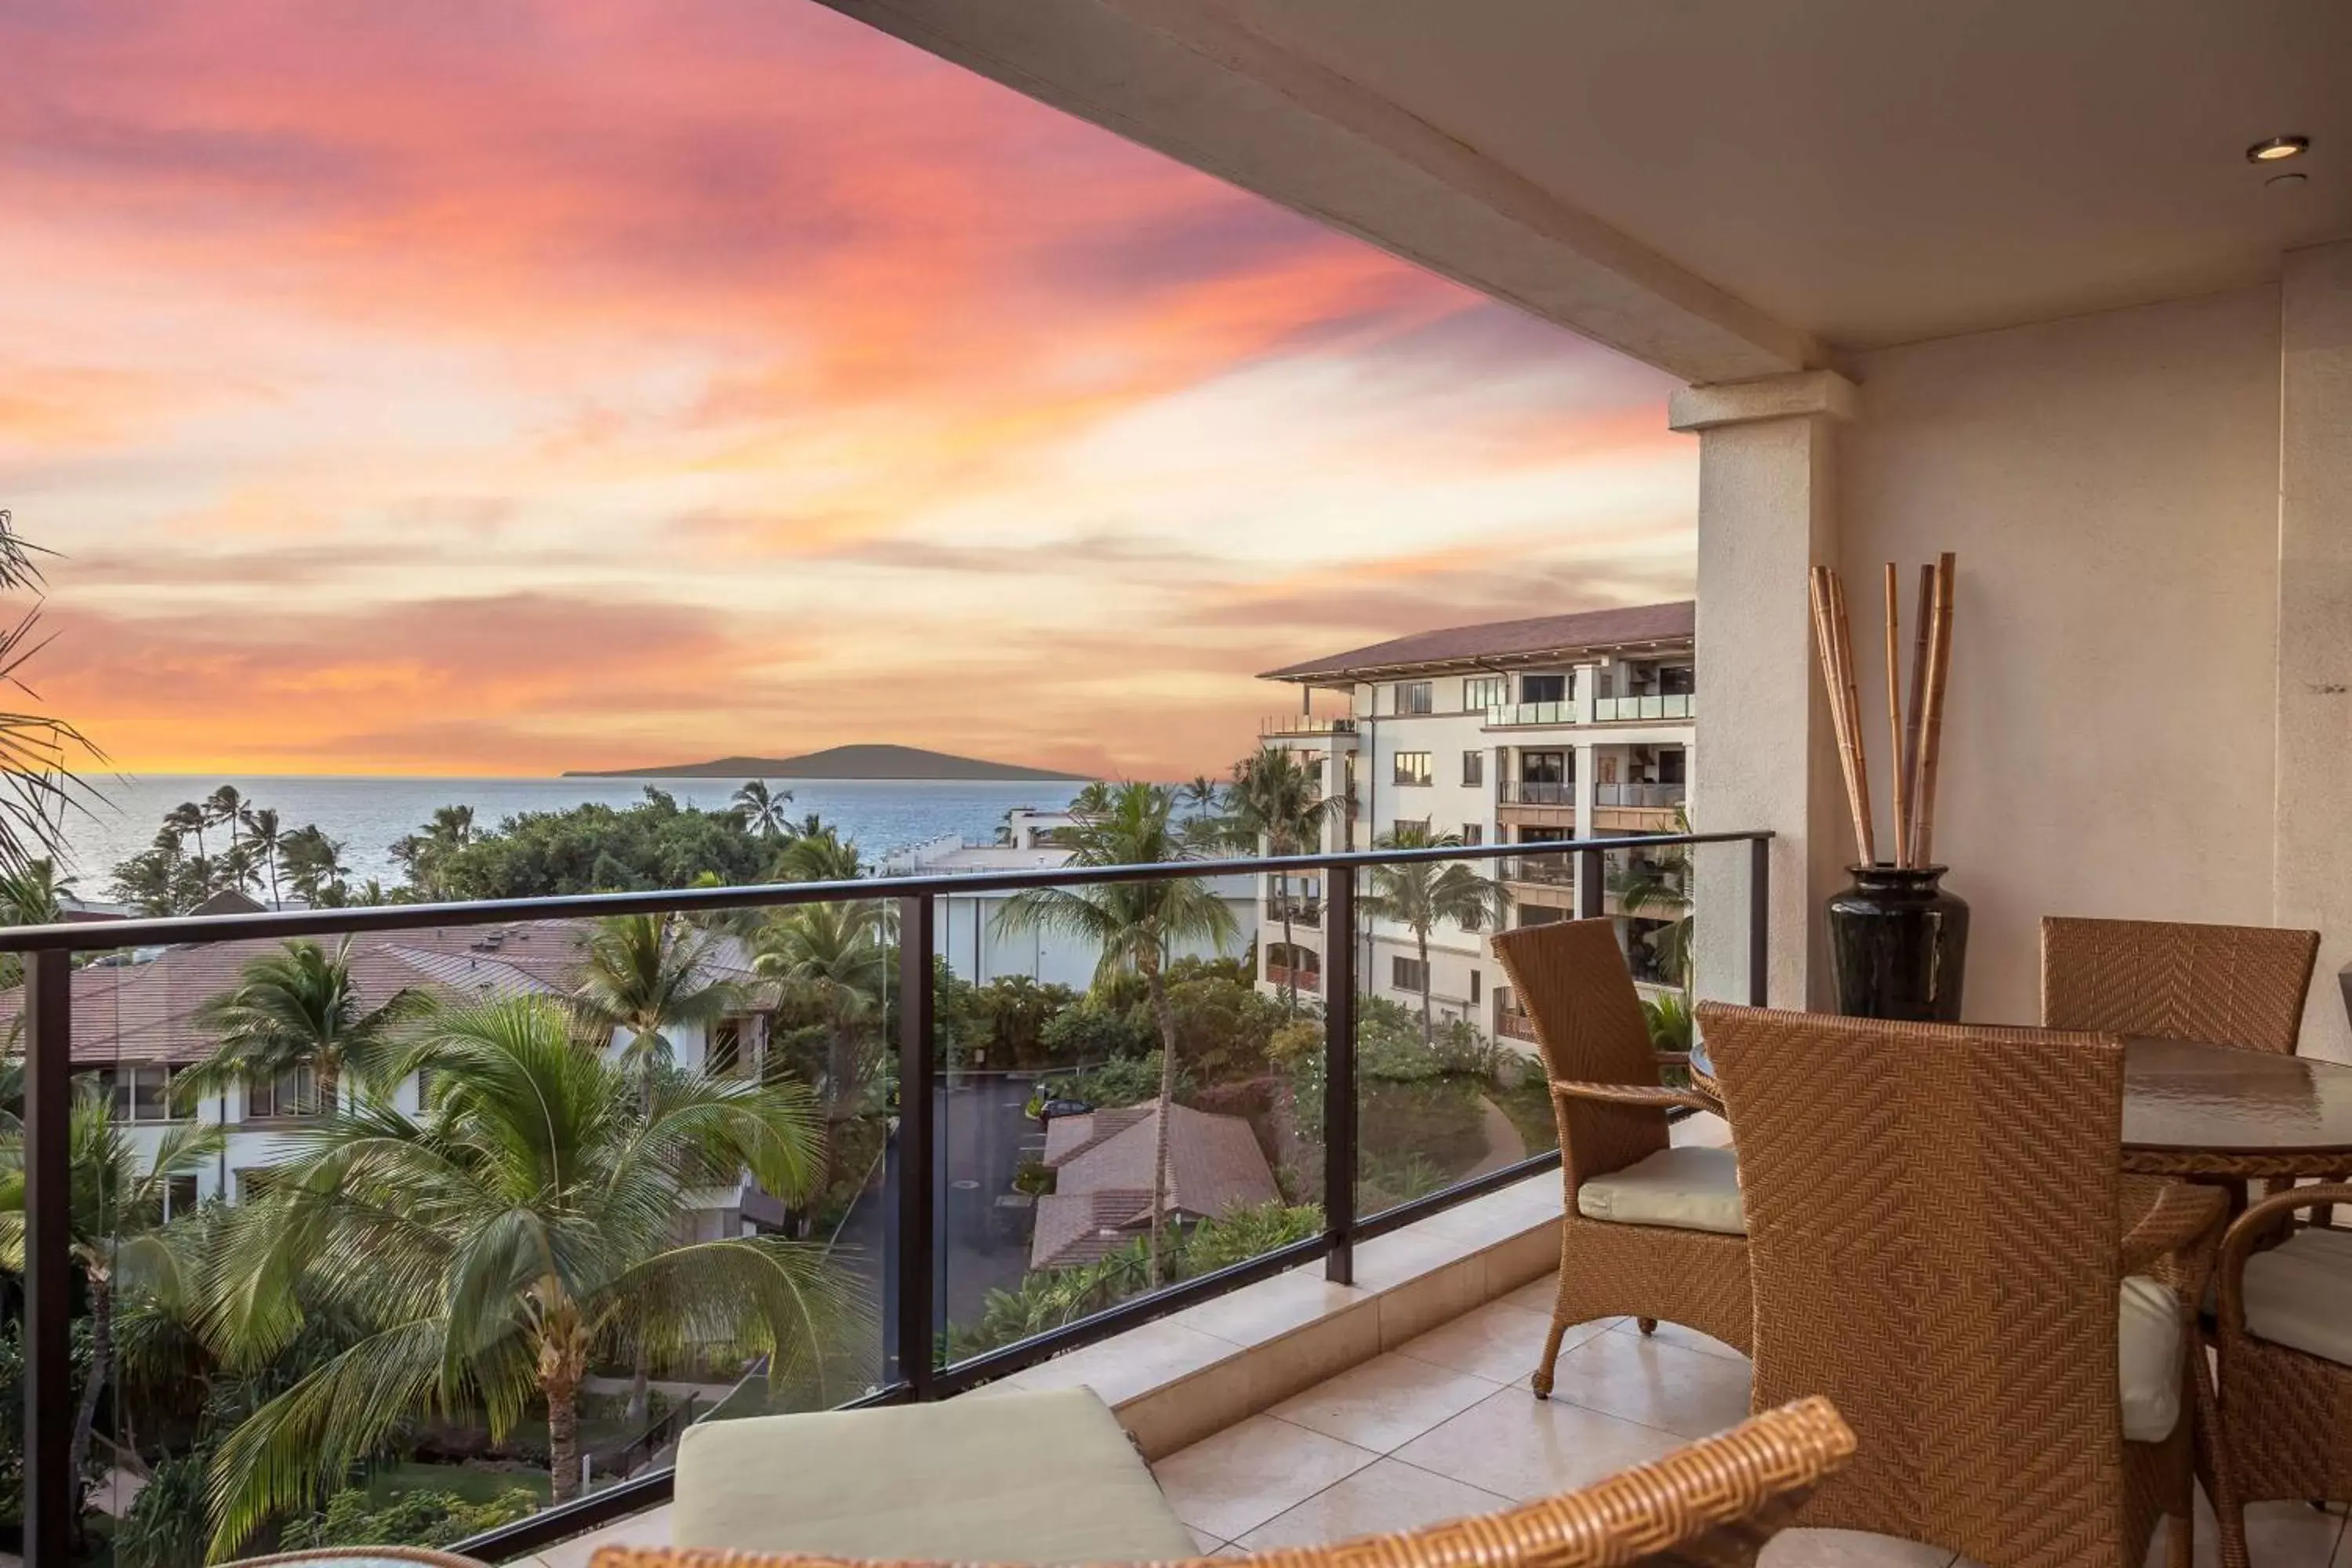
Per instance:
(1689,1189)
(2150,1363)
(2300,1294)
(1017,1478)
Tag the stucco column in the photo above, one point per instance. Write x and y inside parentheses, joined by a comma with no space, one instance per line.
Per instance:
(1766,515)
(2311,855)
(1580,792)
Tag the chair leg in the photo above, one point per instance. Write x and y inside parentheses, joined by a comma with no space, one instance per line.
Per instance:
(2180,1540)
(1647,1325)
(1541,1381)
(2230,1518)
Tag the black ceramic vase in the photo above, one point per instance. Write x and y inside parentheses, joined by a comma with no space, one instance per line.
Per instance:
(1898,945)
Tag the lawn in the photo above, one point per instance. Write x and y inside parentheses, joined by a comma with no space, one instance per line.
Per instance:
(473,1483)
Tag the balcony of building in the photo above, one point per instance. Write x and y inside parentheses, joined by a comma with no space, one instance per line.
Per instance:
(1652,708)
(1545,803)
(1532,715)
(1305,726)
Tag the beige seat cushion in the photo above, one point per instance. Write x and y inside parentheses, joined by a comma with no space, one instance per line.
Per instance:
(2149,1360)
(1005,1477)
(1689,1189)
(2300,1294)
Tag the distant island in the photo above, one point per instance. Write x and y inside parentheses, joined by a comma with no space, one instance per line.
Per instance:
(841,763)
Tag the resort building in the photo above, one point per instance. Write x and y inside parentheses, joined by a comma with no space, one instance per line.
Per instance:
(1529,732)
(979,947)
(138,1022)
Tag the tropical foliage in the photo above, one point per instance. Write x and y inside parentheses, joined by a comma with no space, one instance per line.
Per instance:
(1421,894)
(298,1005)
(495,1244)
(1134,925)
(1277,801)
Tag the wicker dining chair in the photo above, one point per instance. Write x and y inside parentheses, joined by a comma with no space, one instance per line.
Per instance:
(1935,1236)
(1647,1230)
(1712,1504)
(2230,985)
(2282,1337)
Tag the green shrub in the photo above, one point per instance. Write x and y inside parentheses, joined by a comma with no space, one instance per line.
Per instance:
(1222,1026)
(1244,1232)
(1091,1033)
(1122,1080)
(412,1519)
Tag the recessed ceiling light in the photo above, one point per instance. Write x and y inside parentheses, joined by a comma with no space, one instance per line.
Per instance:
(2276,148)
(2291,178)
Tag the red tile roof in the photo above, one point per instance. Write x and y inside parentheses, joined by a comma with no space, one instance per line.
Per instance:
(1102,1185)
(1591,631)
(144,1010)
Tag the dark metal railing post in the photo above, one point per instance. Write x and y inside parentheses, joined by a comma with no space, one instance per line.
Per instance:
(50,1396)
(912,1331)
(1589,874)
(1340,1150)
(1759,920)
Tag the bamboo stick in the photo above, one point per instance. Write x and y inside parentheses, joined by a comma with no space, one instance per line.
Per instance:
(1939,672)
(1834,688)
(1914,735)
(1899,784)
(1866,835)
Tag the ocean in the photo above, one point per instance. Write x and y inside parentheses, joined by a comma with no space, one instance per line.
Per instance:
(368,814)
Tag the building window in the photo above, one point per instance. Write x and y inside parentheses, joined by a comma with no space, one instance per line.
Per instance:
(1474,768)
(1543,767)
(140,1093)
(179,1196)
(1414,768)
(1484,692)
(1539,915)
(1408,975)
(1405,827)
(1474,833)
(1474,988)
(294,1092)
(1543,688)
(1412,697)
(726,1048)
(1677,680)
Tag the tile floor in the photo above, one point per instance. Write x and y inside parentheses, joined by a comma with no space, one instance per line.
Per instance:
(1444,1426)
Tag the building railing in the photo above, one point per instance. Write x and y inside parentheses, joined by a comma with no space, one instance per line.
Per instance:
(1305,724)
(917,1196)
(1655,797)
(1524,791)
(1506,715)
(1296,906)
(1550,871)
(1626,710)
(1302,979)
(1512,1022)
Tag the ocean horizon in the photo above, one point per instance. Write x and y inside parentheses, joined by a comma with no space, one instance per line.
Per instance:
(367,814)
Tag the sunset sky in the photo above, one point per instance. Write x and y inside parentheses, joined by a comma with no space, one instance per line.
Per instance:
(500,387)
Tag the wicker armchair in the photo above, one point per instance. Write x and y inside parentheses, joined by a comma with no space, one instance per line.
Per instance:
(1710,1505)
(2231,985)
(1647,1231)
(2283,1331)
(1935,1231)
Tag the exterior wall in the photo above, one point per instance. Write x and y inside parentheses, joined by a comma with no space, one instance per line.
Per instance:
(2312,839)
(2110,485)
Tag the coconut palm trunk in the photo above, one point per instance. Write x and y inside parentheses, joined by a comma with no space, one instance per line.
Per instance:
(1158,987)
(563,1347)
(101,1367)
(1421,947)
(1290,951)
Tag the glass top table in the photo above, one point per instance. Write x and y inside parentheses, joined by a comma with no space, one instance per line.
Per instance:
(2193,1108)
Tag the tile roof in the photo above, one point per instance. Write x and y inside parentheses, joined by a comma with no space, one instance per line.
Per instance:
(1589,631)
(144,1008)
(1102,1185)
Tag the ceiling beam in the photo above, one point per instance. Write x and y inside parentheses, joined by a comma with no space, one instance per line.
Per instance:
(1188,79)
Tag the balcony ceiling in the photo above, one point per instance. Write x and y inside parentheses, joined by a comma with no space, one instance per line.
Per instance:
(1722,187)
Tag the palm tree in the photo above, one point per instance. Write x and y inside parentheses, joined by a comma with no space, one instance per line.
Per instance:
(262,832)
(817,853)
(116,1207)
(1277,801)
(1419,894)
(650,975)
(495,1244)
(1660,881)
(225,805)
(237,867)
(1201,794)
(452,826)
(299,1006)
(314,864)
(833,957)
(1135,926)
(38,785)
(185,818)
(762,809)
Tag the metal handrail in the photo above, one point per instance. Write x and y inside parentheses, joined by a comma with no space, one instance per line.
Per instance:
(911,1324)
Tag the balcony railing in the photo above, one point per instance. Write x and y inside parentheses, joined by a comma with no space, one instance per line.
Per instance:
(1302,979)
(1626,710)
(1305,724)
(1512,714)
(1547,870)
(1523,792)
(931,1233)
(1296,906)
(1518,1025)
(1653,795)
